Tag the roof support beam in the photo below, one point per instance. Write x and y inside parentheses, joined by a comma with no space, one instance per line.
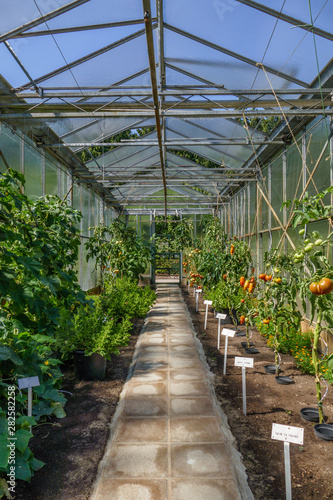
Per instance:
(153,78)
(236,55)
(171,143)
(87,92)
(73,29)
(174,113)
(41,19)
(288,19)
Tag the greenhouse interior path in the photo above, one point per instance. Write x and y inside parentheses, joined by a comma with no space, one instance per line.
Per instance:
(169,439)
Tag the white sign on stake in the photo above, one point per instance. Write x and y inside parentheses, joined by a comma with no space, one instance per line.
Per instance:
(288,435)
(244,363)
(219,316)
(25,383)
(208,303)
(28,383)
(227,333)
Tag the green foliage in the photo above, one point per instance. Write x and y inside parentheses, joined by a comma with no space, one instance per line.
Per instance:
(310,208)
(105,324)
(174,235)
(119,249)
(95,151)
(38,250)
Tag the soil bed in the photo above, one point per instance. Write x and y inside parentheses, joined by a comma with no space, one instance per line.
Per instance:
(74,447)
(267,403)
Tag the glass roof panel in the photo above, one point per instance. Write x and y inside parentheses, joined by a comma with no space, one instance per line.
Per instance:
(18,12)
(222,69)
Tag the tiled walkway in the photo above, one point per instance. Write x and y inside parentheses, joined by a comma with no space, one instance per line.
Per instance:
(168,440)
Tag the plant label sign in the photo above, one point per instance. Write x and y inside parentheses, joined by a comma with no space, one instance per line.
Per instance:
(288,434)
(207,303)
(25,383)
(221,316)
(244,362)
(227,332)
(199,290)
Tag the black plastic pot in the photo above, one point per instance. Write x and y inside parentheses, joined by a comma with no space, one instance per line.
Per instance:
(310,414)
(251,350)
(240,334)
(91,367)
(324,431)
(244,344)
(270,369)
(284,380)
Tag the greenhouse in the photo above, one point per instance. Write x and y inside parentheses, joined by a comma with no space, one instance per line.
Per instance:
(166,187)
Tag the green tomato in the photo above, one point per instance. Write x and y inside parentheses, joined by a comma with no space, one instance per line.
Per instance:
(315,234)
(308,248)
(268,265)
(318,242)
(301,231)
(276,270)
(307,241)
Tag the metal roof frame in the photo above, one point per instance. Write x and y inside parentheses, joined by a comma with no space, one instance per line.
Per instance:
(190,97)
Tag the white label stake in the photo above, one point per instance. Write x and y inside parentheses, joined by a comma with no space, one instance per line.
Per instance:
(219,316)
(208,303)
(197,299)
(244,362)
(28,383)
(227,333)
(288,435)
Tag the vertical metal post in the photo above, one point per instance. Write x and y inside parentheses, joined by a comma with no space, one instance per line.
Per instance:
(244,389)
(304,151)
(206,317)
(43,172)
(152,231)
(287,470)
(218,333)
(284,192)
(269,221)
(225,355)
(331,169)
(29,401)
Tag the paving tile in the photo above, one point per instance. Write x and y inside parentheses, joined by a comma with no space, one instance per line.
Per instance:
(189,374)
(146,389)
(147,429)
(208,460)
(184,363)
(137,460)
(191,406)
(151,366)
(191,353)
(195,429)
(152,376)
(144,407)
(204,489)
(189,388)
(132,489)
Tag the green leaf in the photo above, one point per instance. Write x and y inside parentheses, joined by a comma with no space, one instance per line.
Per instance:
(7,352)
(4,451)
(22,469)
(22,439)
(36,464)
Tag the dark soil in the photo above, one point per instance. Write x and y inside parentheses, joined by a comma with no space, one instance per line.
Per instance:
(267,402)
(74,446)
